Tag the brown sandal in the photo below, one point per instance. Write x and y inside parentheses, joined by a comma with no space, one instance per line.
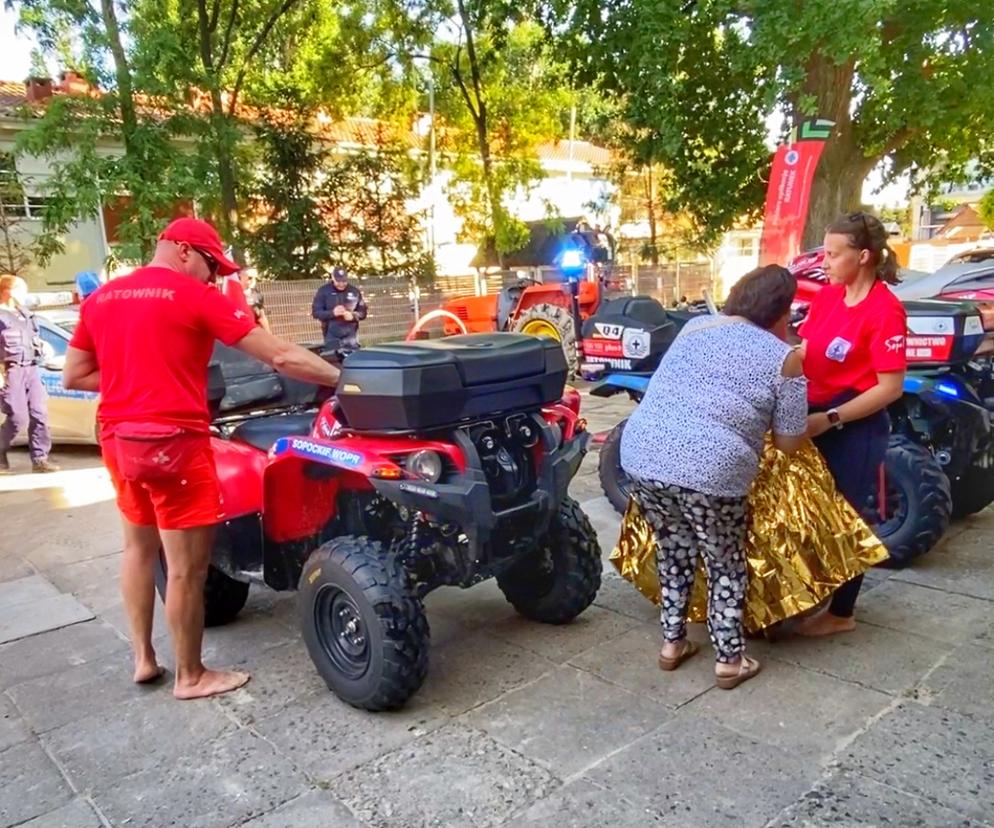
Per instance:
(748,668)
(669,664)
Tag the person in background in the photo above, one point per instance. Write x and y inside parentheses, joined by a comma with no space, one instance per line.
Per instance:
(249,278)
(155,429)
(87,282)
(339,307)
(853,351)
(693,449)
(23,400)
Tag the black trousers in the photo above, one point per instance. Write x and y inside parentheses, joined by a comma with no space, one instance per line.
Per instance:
(854,454)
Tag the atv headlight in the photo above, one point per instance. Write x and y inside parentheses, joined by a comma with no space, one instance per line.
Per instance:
(425,464)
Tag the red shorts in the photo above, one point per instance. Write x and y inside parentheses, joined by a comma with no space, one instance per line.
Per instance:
(191,501)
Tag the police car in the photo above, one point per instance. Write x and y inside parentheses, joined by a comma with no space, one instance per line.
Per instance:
(72,415)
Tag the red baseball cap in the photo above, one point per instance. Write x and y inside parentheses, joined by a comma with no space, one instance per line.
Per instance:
(202,236)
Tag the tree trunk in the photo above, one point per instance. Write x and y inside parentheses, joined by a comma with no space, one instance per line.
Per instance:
(838,181)
(650,203)
(225,170)
(122,75)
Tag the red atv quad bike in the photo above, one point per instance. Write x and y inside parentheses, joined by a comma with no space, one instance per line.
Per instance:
(441,463)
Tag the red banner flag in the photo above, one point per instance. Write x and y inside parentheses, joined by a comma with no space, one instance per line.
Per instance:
(789,190)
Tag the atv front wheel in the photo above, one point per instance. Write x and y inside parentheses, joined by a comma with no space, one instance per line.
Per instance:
(615,482)
(555,322)
(973,492)
(918,503)
(560,579)
(364,627)
(224,597)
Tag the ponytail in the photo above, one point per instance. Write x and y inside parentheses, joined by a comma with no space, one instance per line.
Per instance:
(867,232)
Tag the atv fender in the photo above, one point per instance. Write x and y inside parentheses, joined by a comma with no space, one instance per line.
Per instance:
(240,469)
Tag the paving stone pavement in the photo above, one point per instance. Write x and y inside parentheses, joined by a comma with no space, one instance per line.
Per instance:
(517,724)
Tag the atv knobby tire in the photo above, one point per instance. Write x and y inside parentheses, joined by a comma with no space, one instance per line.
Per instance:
(918,499)
(560,578)
(364,627)
(555,317)
(224,597)
(617,485)
(973,492)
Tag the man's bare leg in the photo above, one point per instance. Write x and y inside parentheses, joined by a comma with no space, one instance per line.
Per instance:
(188,554)
(141,548)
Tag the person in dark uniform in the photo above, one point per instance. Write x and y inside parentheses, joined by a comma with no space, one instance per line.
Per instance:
(339,307)
(22,395)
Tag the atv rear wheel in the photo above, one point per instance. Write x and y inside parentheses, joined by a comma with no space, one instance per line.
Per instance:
(560,579)
(918,502)
(555,322)
(615,482)
(973,492)
(224,597)
(364,627)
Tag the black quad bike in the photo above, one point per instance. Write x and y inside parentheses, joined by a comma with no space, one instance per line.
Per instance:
(939,463)
(437,463)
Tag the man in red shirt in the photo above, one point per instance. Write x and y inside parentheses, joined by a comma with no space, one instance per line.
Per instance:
(144,342)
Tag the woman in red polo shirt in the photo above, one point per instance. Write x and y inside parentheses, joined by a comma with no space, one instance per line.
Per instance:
(854,360)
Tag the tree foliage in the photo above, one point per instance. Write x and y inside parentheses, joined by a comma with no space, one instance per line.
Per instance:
(698,81)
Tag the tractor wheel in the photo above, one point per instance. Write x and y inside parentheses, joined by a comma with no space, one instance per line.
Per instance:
(617,485)
(224,597)
(560,579)
(918,502)
(364,626)
(555,322)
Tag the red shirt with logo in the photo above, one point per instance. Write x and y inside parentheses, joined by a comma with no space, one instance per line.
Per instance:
(153,333)
(848,347)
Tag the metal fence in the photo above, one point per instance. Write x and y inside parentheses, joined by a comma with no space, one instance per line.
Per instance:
(394,305)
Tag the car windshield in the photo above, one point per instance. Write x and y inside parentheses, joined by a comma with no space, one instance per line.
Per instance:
(68,325)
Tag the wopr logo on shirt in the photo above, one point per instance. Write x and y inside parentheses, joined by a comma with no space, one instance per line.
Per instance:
(838,349)
(894,344)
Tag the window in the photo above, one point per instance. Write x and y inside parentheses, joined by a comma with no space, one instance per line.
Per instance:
(15,202)
(746,247)
(57,344)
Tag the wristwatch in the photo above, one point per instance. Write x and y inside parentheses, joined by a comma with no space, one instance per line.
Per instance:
(834,419)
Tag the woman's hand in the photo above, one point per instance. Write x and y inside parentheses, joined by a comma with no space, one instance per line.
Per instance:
(818,424)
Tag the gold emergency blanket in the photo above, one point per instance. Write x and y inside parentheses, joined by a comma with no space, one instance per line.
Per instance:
(804,540)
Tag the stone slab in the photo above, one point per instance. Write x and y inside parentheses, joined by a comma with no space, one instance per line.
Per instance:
(561,642)
(479,606)
(30,784)
(630,662)
(13,728)
(223,783)
(315,809)
(29,590)
(326,737)
(960,570)
(696,773)
(620,596)
(963,683)
(794,709)
(95,583)
(857,802)
(929,613)
(77,814)
(41,616)
(874,657)
(456,777)
(941,756)
(568,720)
(13,568)
(82,691)
(582,804)
(149,734)
(280,676)
(50,653)
(474,669)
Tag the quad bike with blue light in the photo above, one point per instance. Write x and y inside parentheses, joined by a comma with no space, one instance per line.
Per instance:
(436,464)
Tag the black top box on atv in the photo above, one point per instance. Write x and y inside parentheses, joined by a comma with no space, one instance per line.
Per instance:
(941,332)
(417,386)
(631,333)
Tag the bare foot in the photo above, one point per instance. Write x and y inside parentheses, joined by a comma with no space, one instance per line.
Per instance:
(147,673)
(824,624)
(211,683)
